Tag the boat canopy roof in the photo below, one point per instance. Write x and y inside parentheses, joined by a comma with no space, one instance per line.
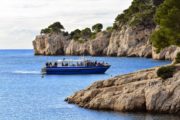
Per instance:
(70,60)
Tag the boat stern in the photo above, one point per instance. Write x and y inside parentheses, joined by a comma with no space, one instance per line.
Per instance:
(43,70)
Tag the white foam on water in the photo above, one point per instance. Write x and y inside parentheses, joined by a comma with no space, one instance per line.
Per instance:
(26,72)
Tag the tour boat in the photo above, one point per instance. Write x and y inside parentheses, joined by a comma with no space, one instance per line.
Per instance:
(69,67)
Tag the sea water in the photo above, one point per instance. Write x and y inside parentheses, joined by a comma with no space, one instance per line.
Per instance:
(26,95)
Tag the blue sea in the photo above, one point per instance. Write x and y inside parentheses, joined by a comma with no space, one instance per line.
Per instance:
(26,95)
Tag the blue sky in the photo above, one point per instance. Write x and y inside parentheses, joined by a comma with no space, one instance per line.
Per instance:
(21,20)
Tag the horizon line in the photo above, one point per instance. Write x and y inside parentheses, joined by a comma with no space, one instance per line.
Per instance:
(16,49)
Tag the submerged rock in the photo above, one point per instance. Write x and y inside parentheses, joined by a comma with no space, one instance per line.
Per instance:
(139,91)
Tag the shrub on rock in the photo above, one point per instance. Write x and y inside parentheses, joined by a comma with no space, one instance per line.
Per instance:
(177,60)
(166,72)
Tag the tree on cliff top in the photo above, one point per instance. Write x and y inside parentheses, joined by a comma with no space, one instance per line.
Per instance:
(97,27)
(86,33)
(55,27)
(76,34)
(45,31)
(168,18)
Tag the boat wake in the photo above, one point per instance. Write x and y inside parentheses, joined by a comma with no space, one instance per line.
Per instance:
(26,72)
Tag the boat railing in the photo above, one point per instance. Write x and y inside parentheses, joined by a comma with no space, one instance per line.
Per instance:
(75,63)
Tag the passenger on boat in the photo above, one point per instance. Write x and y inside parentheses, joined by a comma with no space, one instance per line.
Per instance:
(47,64)
(55,64)
(78,64)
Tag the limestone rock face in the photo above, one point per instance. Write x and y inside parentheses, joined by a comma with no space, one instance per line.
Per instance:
(58,44)
(76,48)
(50,44)
(168,53)
(139,91)
(125,42)
(131,41)
(97,46)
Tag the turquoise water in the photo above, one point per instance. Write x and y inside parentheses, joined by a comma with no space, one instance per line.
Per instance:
(25,95)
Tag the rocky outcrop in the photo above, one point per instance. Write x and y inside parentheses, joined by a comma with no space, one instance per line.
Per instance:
(168,53)
(131,41)
(127,42)
(58,44)
(139,91)
(95,47)
(50,44)
(126,39)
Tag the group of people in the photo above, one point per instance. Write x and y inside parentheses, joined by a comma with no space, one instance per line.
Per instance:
(50,64)
(90,63)
(82,63)
(55,64)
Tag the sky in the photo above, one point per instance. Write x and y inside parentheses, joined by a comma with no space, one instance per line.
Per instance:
(22,20)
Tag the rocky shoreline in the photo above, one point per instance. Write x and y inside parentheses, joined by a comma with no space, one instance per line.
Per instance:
(139,91)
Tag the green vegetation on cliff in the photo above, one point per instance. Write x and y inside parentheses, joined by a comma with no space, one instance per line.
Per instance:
(177,59)
(86,33)
(166,72)
(109,29)
(168,18)
(78,35)
(97,27)
(55,27)
(141,12)
(165,14)
(148,13)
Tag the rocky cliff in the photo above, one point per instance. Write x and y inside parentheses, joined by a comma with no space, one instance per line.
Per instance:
(131,41)
(168,53)
(130,36)
(58,44)
(95,47)
(50,44)
(139,91)
(126,42)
